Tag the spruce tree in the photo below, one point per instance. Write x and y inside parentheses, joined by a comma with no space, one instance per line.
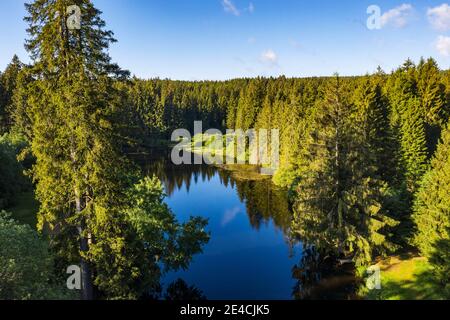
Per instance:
(91,202)
(372,109)
(8,84)
(2,108)
(432,212)
(431,91)
(339,198)
(77,164)
(413,145)
(409,125)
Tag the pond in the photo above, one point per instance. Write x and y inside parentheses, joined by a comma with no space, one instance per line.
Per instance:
(250,254)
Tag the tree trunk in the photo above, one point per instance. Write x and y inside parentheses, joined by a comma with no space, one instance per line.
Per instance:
(87,288)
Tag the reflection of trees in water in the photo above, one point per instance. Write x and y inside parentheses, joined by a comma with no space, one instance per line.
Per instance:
(318,274)
(172,176)
(320,277)
(264,202)
(180,291)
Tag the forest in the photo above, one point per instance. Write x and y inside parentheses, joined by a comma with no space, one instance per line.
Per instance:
(365,163)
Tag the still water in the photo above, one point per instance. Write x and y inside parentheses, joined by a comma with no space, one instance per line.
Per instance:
(249,255)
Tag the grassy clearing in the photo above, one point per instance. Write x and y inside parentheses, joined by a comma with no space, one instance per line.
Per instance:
(210,146)
(26,209)
(244,172)
(406,277)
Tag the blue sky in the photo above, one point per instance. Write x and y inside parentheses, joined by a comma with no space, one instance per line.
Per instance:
(223,39)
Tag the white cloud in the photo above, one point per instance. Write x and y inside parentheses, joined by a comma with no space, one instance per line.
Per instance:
(251,7)
(269,56)
(398,16)
(439,17)
(443,45)
(229,7)
(230,215)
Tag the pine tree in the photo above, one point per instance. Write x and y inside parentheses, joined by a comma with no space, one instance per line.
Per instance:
(77,165)
(250,104)
(409,124)
(413,145)
(8,83)
(2,108)
(432,93)
(90,199)
(432,212)
(339,198)
(372,108)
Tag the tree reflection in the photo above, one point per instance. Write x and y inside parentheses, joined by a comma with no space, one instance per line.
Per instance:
(180,291)
(264,201)
(319,273)
(319,276)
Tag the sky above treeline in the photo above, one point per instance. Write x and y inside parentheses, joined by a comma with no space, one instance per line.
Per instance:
(223,39)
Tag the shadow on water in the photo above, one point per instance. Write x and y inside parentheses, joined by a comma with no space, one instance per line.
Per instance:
(251,255)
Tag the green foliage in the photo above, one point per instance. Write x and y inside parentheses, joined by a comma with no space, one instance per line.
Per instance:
(352,150)
(12,180)
(8,84)
(406,278)
(71,108)
(339,196)
(26,265)
(413,145)
(372,114)
(432,212)
(148,243)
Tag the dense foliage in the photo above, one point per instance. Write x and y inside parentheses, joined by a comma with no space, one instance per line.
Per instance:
(98,215)
(356,153)
(26,264)
(432,213)
(12,180)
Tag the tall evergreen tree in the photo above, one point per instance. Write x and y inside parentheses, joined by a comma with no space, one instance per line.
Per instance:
(409,125)
(249,105)
(432,213)
(2,107)
(413,145)
(83,182)
(339,199)
(431,91)
(372,108)
(70,110)
(8,83)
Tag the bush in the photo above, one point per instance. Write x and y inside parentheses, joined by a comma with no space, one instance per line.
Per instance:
(26,264)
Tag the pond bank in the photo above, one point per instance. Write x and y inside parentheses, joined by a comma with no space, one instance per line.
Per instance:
(406,277)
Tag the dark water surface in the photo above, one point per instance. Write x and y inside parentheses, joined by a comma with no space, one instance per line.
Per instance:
(249,255)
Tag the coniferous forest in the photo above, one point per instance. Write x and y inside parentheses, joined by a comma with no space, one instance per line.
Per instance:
(364,171)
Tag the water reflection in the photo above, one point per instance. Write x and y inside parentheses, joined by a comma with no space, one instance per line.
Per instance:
(320,277)
(264,202)
(250,255)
